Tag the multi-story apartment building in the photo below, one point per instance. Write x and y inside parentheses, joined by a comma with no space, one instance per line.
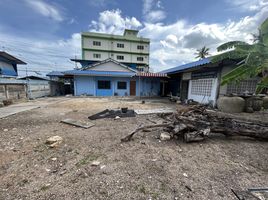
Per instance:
(128,49)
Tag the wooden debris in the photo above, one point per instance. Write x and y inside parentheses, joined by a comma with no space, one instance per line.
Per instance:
(80,124)
(195,123)
(128,138)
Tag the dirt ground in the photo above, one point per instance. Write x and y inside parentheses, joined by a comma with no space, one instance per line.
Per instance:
(144,168)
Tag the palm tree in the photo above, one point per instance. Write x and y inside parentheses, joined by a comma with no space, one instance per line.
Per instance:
(202,53)
(254,59)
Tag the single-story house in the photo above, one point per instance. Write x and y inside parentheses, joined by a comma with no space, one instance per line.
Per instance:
(8,65)
(200,81)
(112,78)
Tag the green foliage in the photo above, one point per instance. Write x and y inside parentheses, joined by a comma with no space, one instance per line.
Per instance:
(88,158)
(254,58)
(230,45)
(202,53)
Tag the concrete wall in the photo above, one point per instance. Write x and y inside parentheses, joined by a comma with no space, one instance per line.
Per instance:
(109,49)
(12,91)
(128,58)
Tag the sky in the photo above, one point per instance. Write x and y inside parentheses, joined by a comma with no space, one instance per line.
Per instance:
(46,33)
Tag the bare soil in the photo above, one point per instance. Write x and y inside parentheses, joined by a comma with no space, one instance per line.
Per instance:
(144,168)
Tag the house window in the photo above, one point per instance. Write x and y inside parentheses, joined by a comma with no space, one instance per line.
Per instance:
(139,58)
(140,47)
(96,55)
(120,57)
(121,85)
(120,45)
(96,43)
(104,85)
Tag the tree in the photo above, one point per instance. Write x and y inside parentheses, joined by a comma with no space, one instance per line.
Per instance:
(202,53)
(253,57)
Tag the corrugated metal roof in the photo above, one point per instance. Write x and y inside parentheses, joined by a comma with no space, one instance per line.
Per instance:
(55,73)
(99,73)
(11,58)
(187,66)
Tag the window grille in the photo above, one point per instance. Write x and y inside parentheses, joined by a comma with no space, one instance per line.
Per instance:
(243,86)
(202,87)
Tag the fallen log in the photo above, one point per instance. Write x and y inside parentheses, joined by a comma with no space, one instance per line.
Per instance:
(195,123)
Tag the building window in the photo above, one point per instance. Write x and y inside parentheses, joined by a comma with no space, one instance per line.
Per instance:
(120,57)
(140,47)
(104,85)
(96,43)
(121,85)
(139,58)
(120,45)
(96,55)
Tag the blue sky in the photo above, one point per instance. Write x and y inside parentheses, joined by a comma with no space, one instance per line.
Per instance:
(46,33)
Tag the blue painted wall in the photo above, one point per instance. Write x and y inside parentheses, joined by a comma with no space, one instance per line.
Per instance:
(122,92)
(7,68)
(104,92)
(148,86)
(88,86)
(84,85)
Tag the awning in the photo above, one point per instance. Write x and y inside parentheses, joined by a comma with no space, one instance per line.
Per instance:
(148,74)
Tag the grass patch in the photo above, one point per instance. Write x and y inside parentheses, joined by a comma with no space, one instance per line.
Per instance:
(87,159)
(45,187)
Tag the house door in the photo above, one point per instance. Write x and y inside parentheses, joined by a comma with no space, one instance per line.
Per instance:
(132,88)
(184,90)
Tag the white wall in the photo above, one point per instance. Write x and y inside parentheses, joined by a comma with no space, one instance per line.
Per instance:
(204,99)
(110,66)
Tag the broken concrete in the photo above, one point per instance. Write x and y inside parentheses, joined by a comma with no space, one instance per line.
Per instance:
(80,124)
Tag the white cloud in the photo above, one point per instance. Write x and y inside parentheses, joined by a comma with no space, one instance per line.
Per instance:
(113,22)
(101,3)
(248,5)
(41,55)
(152,11)
(176,43)
(45,9)
(171,44)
